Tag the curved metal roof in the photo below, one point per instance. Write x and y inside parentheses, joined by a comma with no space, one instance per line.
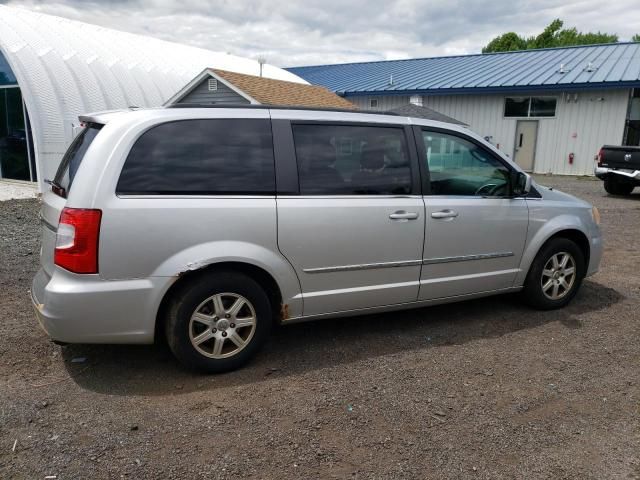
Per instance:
(592,66)
(65,68)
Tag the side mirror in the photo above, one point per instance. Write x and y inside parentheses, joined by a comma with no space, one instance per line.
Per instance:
(520,184)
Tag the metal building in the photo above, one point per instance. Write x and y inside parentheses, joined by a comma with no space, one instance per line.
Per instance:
(550,109)
(53,69)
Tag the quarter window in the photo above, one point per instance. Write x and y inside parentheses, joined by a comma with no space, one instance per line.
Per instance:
(529,107)
(352,160)
(211,157)
(460,167)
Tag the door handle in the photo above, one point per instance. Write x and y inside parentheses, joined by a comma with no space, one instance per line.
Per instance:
(403,215)
(444,214)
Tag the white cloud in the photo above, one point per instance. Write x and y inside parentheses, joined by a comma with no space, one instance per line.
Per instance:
(297,32)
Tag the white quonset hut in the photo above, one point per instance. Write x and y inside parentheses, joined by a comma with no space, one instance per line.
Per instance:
(53,69)
(550,109)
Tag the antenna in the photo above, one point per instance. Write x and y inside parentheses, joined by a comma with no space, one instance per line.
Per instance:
(261,61)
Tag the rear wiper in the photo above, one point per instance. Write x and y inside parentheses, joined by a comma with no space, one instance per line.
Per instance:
(57,188)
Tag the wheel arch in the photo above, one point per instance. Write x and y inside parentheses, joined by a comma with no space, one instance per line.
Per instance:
(570,230)
(262,276)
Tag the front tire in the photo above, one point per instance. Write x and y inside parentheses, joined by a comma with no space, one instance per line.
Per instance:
(555,275)
(218,321)
(613,186)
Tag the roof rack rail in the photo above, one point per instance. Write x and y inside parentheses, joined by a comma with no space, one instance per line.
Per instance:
(274,107)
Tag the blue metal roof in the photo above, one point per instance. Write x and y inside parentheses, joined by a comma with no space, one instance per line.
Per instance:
(591,66)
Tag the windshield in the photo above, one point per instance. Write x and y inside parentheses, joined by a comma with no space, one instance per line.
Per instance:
(72,159)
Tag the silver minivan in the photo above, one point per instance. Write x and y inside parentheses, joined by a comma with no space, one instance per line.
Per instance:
(207,225)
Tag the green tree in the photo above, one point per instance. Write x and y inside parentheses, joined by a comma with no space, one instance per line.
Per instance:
(552,36)
(636,38)
(506,43)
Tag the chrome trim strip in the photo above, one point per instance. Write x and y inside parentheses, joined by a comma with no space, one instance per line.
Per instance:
(363,266)
(466,258)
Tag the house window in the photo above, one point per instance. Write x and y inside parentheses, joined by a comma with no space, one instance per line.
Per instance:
(529,107)
(213,85)
(373,103)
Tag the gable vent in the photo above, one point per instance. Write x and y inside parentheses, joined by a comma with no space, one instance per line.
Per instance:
(213,85)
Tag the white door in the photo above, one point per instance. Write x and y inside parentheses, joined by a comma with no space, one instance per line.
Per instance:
(526,138)
(474,233)
(355,233)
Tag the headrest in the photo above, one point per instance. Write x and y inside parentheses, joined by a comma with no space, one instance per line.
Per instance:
(372,158)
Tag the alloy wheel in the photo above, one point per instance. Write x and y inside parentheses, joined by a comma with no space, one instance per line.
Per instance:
(558,275)
(222,325)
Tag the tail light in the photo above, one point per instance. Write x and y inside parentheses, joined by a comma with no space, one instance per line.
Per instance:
(77,240)
(599,157)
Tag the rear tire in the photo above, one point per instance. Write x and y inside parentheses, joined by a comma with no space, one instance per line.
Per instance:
(555,275)
(218,321)
(613,186)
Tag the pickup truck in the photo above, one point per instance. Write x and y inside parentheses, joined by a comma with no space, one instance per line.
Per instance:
(619,167)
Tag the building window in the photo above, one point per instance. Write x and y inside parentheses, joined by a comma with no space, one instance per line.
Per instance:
(213,85)
(529,107)
(415,100)
(373,103)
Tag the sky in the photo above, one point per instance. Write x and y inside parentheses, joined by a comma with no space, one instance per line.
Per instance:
(297,32)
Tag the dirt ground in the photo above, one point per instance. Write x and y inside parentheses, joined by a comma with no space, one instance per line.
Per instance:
(482,389)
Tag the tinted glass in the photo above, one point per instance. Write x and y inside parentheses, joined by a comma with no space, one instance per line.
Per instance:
(516,107)
(208,157)
(352,160)
(74,155)
(6,75)
(460,167)
(14,141)
(543,107)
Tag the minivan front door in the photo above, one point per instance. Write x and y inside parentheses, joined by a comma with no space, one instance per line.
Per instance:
(355,232)
(474,233)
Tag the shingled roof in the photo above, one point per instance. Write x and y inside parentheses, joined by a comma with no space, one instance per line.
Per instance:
(268,91)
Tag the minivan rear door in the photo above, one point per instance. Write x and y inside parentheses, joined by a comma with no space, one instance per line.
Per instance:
(54,198)
(354,228)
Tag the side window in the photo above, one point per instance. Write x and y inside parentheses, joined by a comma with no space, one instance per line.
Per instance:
(460,167)
(352,160)
(209,156)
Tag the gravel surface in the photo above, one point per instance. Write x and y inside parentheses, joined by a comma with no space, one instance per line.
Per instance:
(481,389)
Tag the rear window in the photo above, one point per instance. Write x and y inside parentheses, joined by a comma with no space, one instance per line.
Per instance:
(207,157)
(73,157)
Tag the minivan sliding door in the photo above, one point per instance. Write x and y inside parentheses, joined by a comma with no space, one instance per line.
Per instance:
(354,233)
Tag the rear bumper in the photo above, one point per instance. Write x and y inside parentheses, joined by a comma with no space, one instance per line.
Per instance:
(603,172)
(85,309)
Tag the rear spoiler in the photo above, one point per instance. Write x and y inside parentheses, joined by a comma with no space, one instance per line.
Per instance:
(105,116)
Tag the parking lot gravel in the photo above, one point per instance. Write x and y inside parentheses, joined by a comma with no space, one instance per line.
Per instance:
(481,389)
